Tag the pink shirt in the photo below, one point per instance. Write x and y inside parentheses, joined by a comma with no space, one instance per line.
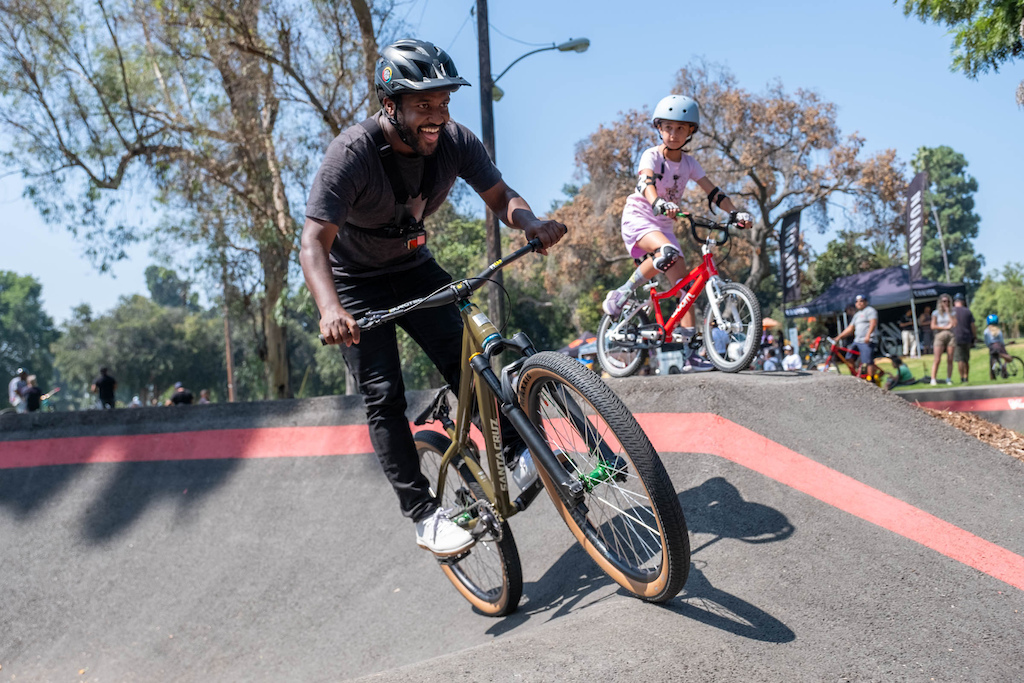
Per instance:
(670,179)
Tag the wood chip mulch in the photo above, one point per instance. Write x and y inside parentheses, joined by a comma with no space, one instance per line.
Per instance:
(997,436)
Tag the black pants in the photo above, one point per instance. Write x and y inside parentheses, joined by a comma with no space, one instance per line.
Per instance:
(374,363)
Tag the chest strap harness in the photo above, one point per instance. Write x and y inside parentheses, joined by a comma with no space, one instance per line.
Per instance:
(405,226)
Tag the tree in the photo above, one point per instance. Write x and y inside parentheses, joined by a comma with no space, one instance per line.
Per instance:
(986,33)
(1003,294)
(846,255)
(952,194)
(167,289)
(220,108)
(26,331)
(147,348)
(773,153)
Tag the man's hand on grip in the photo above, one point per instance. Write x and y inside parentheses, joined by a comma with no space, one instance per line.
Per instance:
(338,327)
(547,231)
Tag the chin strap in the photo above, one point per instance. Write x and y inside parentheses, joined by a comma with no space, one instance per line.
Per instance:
(393,120)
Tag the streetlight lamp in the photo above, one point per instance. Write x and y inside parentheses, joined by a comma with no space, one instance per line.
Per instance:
(488,95)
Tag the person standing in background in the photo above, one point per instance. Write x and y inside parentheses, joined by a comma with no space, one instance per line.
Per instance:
(942,327)
(180,397)
(964,334)
(33,395)
(16,390)
(924,327)
(104,386)
(906,324)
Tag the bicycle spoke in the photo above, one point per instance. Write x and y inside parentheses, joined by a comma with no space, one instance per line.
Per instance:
(620,515)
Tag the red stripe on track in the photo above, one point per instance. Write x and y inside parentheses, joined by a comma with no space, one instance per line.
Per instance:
(708,433)
(981,404)
(215,444)
(670,433)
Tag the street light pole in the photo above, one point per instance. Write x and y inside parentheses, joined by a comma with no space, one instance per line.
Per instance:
(493,226)
(490,93)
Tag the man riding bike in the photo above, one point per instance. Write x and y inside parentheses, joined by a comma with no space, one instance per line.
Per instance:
(363,247)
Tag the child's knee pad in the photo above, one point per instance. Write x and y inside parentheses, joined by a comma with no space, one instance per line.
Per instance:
(665,256)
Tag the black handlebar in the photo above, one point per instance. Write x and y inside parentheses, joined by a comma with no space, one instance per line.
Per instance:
(697,221)
(456,291)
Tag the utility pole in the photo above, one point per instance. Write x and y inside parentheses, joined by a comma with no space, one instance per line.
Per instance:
(495,299)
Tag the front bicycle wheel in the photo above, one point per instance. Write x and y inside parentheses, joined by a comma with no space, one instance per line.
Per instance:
(741,324)
(617,341)
(489,574)
(630,521)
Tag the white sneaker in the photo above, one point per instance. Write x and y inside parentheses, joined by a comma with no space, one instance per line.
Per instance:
(442,536)
(524,472)
(949,380)
(613,302)
(934,383)
(697,364)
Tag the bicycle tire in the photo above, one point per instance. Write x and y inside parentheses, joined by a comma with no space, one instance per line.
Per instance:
(631,522)
(1015,368)
(613,357)
(489,575)
(742,314)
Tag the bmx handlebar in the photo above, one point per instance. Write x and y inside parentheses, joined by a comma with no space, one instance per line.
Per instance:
(450,293)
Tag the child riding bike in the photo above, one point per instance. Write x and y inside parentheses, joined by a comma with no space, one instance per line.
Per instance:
(647,217)
(996,346)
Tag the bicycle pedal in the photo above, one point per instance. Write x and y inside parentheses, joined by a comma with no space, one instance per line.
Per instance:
(453,559)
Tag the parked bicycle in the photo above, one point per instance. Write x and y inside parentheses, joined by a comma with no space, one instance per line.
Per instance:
(624,341)
(599,468)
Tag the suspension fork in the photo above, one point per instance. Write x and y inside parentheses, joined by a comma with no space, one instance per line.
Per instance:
(714,294)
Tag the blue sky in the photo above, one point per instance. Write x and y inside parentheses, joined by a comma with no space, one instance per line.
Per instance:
(888,75)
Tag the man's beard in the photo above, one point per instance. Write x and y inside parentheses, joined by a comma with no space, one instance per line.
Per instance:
(410,136)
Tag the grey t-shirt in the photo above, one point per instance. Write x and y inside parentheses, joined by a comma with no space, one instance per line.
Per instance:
(352,189)
(861,320)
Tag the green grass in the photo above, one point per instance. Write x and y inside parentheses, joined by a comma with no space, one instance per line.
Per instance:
(977,376)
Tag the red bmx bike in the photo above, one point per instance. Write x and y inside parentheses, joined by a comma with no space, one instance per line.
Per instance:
(732,317)
(828,355)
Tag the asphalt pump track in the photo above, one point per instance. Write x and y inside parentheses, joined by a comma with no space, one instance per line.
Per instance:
(838,533)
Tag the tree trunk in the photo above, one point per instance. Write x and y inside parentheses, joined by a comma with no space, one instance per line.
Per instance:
(275,276)
(760,264)
(369,41)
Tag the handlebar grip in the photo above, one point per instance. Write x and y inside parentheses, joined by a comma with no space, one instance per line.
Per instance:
(362,323)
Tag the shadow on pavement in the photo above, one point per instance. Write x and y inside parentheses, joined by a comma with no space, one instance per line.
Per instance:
(715,507)
(136,486)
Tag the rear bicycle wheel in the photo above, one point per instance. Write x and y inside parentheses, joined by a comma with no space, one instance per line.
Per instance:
(618,356)
(1015,368)
(489,574)
(741,323)
(630,521)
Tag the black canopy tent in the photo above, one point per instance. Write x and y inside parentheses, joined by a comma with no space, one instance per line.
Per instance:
(885,288)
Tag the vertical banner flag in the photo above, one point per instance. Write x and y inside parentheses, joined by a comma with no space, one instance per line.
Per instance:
(915,223)
(789,243)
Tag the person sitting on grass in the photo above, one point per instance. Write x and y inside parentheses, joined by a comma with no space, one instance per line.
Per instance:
(901,375)
(791,361)
(993,335)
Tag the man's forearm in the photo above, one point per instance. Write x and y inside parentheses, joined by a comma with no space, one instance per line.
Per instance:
(319,279)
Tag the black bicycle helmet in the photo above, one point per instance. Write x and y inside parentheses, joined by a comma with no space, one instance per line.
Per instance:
(411,65)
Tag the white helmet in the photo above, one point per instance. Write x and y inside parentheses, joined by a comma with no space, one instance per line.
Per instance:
(677,108)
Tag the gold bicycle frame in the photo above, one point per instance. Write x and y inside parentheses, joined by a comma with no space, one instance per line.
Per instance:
(477,328)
